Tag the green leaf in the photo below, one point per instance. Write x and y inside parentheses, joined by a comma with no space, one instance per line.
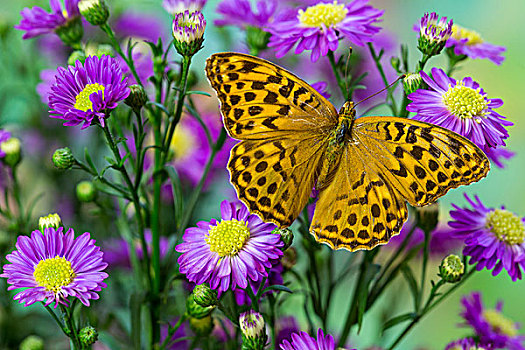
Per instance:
(412,283)
(123,160)
(278,287)
(362,293)
(397,320)
(177,193)
(90,161)
(198,93)
(135,304)
(161,106)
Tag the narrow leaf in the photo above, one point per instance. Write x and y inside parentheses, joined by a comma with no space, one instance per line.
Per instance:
(278,287)
(397,320)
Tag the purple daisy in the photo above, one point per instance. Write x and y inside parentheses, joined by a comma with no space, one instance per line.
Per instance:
(239,13)
(492,328)
(37,21)
(230,252)
(462,107)
(320,27)
(285,327)
(52,266)
(496,155)
(320,87)
(177,6)
(82,93)
(465,344)
(468,42)
(494,238)
(303,341)
(274,278)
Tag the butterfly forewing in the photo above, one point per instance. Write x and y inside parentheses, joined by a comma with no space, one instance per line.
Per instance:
(260,100)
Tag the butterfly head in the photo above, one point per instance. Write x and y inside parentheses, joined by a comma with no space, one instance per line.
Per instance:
(347,111)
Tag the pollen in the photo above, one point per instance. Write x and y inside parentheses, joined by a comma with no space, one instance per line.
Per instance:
(465,102)
(327,14)
(506,226)
(54,273)
(459,33)
(83,102)
(500,323)
(228,237)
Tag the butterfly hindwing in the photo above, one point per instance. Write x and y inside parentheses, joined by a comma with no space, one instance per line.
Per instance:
(261,100)
(275,177)
(422,161)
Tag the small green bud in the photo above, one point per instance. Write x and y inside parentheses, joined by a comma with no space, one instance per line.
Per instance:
(428,217)
(257,39)
(201,326)
(94,11)
(77,55)
(32,342)
(137,97)
(286,236)
(253,330)
(412,82)
(451,269)
(88,335)
(188,32)
(52,220)
(12,149)
(71,32)
(395,63)
(63,158)
(195,310)
(104,49)
(86,191)
(204,295)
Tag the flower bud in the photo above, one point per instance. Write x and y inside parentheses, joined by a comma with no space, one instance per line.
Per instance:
(395,63)
(205,296)
(11,149)
(188,32)
(94,11)
(77,55)
(201,326)
(451,269)
(433,34)
(253,330)
(412,82)
(195,310)
(286,236)
(32,342)
(88,335)
(257,39)
(137,97)
(52,220)
(71,32)
(63,158)
(428,217)
(86,191)
(104,49)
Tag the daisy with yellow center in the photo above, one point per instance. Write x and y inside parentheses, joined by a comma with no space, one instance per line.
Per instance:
(468,43)
(231,252)
(53,266)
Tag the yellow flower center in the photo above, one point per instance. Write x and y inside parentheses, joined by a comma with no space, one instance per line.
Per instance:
(327,14)
(228,237)
(82,100)
(473,38)
(182,143)
(465,102)
(500,323)
(506,226)
(54,273)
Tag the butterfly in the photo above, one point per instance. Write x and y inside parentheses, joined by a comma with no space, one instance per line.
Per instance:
(292,139)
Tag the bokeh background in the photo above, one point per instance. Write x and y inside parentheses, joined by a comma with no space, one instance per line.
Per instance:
(499,22)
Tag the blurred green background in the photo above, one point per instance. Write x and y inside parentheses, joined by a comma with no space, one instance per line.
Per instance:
(499,22)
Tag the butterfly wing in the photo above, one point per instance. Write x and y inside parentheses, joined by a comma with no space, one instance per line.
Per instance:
(284,125)
(392,160)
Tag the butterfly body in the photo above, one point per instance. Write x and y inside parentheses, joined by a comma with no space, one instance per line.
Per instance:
(365,169)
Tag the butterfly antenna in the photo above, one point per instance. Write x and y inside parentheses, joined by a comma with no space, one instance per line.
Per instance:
(346,67)
(383,89)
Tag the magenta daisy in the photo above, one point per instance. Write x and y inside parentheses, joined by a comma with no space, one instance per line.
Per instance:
(239,13)
(230,252)
(494,238)
(465,344)
(37,21)
(52,266)
(321,87)
(494,330)
(303,341)
(469,43)
(496,155)
(462,107)
(84,94)
(320,27)
(433,33)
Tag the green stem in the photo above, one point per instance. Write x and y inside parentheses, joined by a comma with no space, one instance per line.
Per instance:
(390,97)
(55,317)
(72,331)
(426,253)
(172,331)
(340,81)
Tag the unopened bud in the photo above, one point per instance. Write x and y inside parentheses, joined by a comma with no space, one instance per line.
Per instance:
(286,236)
(188,32)
(94,11)
(201,326)
(137,97)
(86,191)
(88,335)
(52,220)
(197,311)
(204,295)
(451,269)
(411,83)
(77,55)
(71,32)
(253,330)
(428,217)
(104,50)
(63,158)
(11,148)
(32,342)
